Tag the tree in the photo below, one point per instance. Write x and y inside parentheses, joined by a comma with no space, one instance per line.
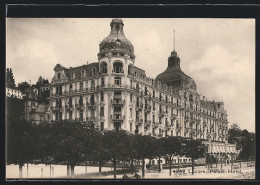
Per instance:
(171,147)
(234,135)
(144,147)
(99,152)
(22,140)
(244,140)
(23,86)
(194,149)
(10,77)
(159,152)
(116,142)
(70,138)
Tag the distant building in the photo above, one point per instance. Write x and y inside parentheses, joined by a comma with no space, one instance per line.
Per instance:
(115,94)
(34,111)
(14,92)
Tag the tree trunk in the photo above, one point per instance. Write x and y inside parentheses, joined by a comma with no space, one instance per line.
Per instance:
(170,165)
(27,170)
(192,166)
(114,163)
(159,164)
(68,170)
(50,170)
(132,166)
(20,171)
(100,166)
(143,168)
(72,170)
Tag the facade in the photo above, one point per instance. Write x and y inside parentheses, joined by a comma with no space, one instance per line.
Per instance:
(14,92)
(115,94)
(33,110)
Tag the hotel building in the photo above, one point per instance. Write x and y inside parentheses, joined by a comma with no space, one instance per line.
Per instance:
(114,93)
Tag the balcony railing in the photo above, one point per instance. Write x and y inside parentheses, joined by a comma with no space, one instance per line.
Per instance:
(173,116)
(117,117)
(69,107)
(80,105)
(156,124)
(162,112)
(118,71)
(118,102)
(91,119)
(91,104)
(139,121)
(147,108)
(139,106)
(56,108)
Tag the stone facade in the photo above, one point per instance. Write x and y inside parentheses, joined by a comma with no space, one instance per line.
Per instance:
(115,94)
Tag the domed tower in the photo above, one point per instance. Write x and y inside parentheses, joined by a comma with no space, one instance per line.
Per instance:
(116,52)
(174,76)
(116,42)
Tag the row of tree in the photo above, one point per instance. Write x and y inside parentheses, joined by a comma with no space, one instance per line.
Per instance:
(75,143)
(245,142)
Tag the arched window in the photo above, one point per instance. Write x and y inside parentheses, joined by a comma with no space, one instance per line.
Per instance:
(130,69)
(103,67)
(93,71)
(118,67)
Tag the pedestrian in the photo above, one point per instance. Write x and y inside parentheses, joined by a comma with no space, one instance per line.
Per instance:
(137,176)
(125,176)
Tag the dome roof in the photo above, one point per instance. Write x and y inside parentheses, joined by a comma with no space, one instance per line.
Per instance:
(116,40)
(174,76)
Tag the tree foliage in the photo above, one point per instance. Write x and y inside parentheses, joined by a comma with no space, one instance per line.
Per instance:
(10,77)
(244,140)
(23,86)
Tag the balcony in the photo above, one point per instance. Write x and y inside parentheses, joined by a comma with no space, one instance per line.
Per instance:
(139,106)
(156,124)
(178,127)
(162,112)
(173,116)
(118,117)
(139,121)
(147,122)
(80,105)
(117,71)
(91,104)
(139,92)
(168,126)
(118,102)
(91,119)
(56,108)
(147,108)
(69,107)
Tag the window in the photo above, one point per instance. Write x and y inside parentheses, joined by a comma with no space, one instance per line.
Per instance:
(131,97)
(118,67)
(102,81)
(101,111)
(153,94)
(131,112)
(117,81)
(92,84)
(130,69)
(81,86)
(171,132)
(153,118)
(104,67)
(102,126)
(131,129)
(58,75)
(82,73)
(93,71)
(131,83)
(81,115)
(102,96)
(117,109)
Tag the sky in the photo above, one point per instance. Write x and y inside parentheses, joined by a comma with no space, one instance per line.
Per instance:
(219,54)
